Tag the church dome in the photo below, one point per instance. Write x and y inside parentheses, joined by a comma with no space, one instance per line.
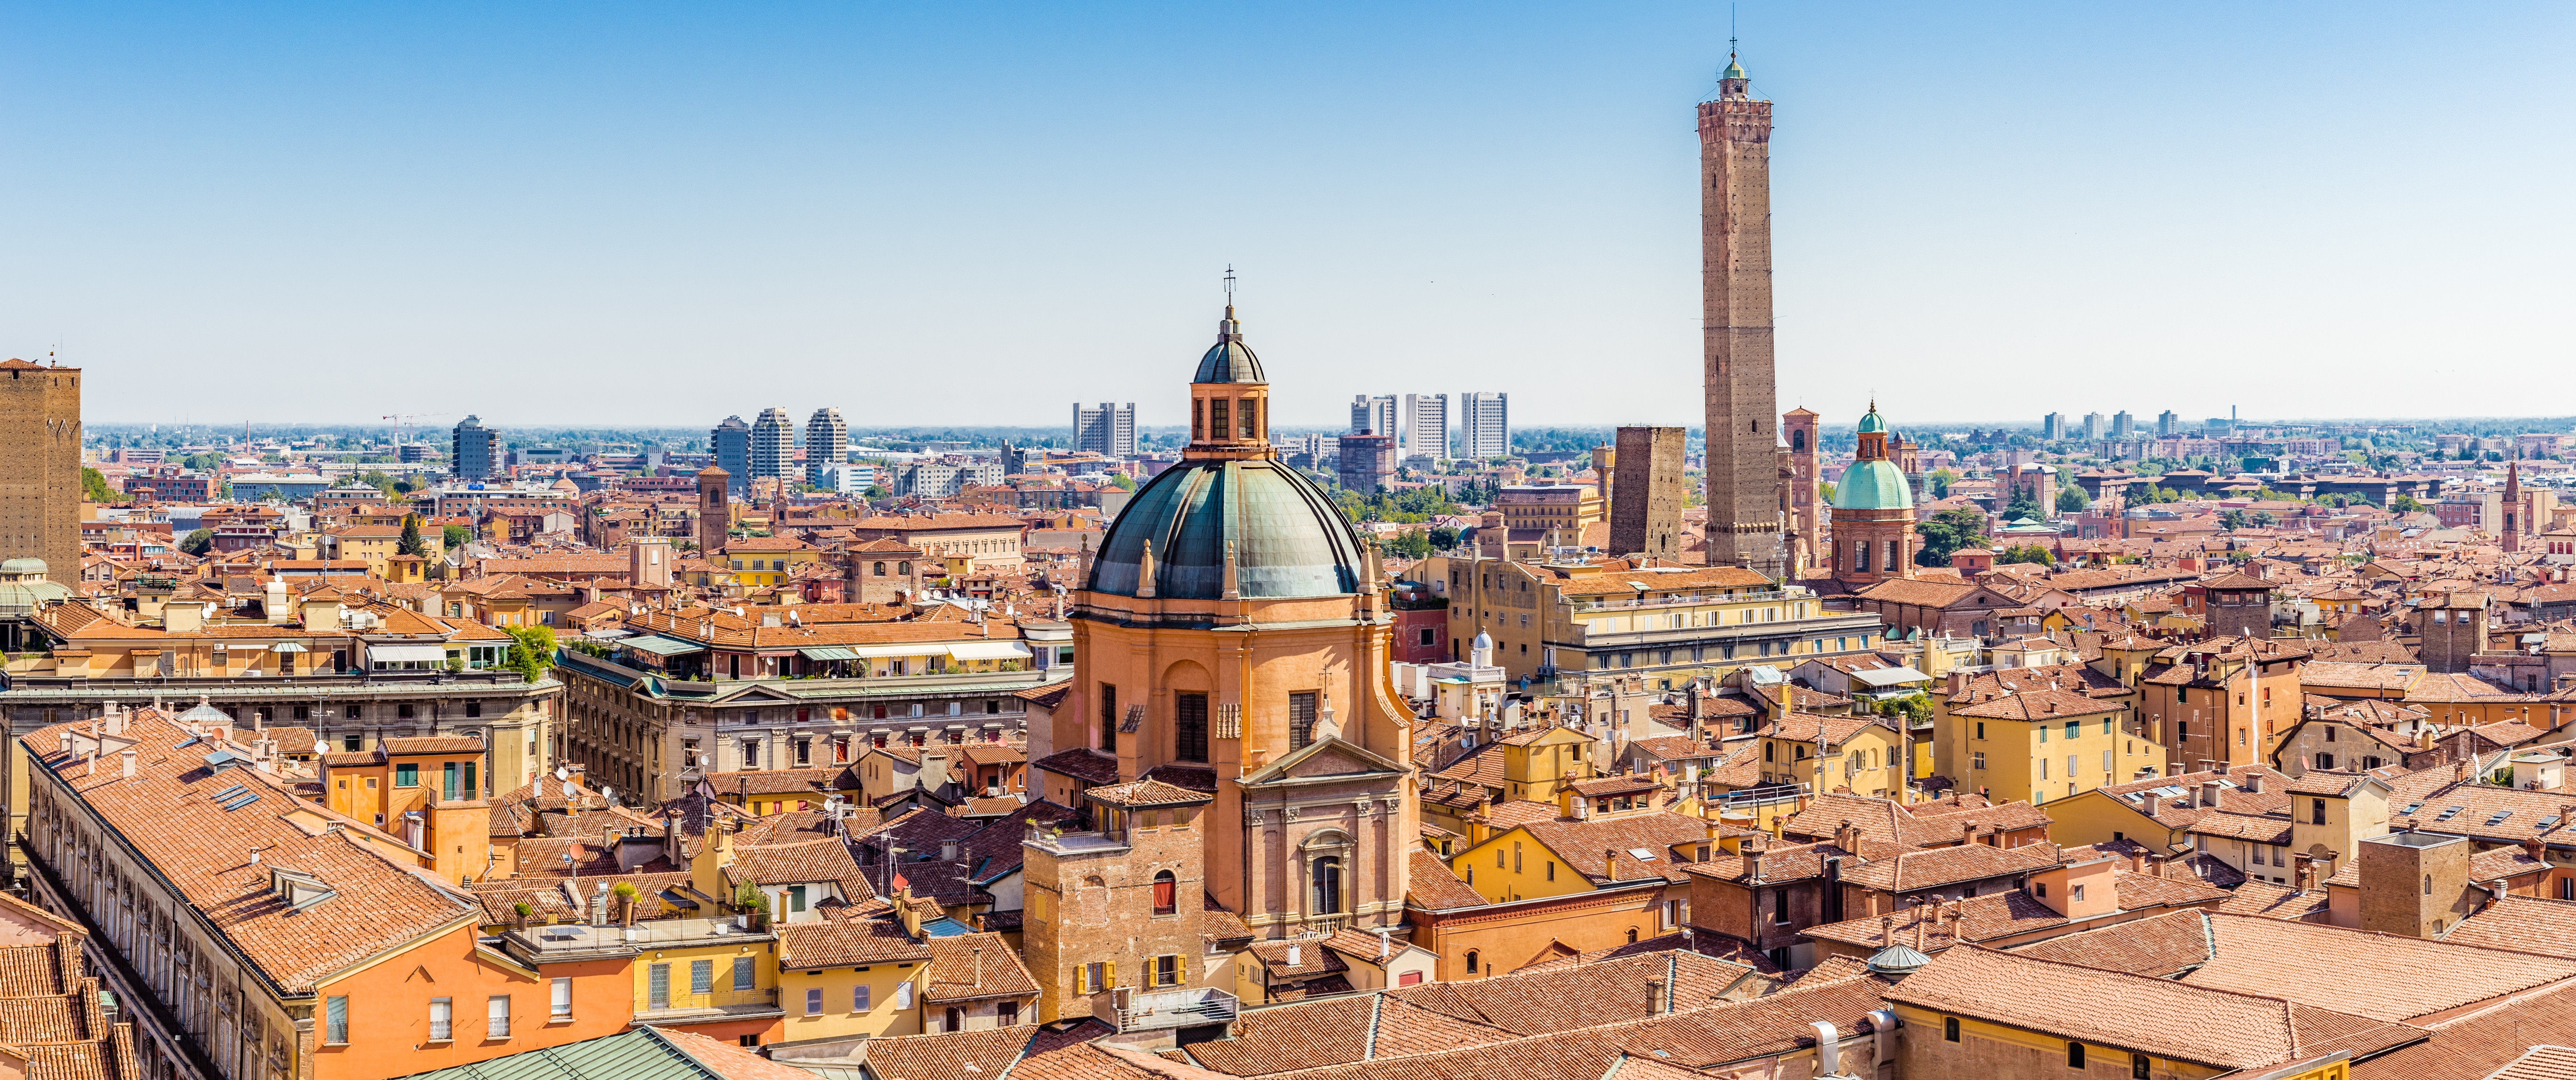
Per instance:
(1872,423)
(1290,540)
(1229,360)
(23,565)
(1873,484)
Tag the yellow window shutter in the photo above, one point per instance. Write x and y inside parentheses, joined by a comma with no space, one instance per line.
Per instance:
(1109,975)
(1180,970)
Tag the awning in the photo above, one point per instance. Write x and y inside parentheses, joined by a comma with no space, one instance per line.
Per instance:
(989,650)
(664,646)
(286,646)
(924,648)
(436,654)
(829,652)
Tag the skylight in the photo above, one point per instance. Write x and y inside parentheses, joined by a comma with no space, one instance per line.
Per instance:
(2499,817)
(1642,854)
(2449,812)
(2410,808)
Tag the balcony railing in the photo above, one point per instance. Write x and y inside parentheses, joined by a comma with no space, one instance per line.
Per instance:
(747,1000)
(1793,592)
(1157,1010)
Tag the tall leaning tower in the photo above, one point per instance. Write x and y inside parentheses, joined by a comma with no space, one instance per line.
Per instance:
(1735,288)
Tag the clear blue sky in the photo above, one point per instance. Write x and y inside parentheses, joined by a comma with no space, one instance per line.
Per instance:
(624,213)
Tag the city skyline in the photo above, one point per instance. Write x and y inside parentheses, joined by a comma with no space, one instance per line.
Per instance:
(350,204)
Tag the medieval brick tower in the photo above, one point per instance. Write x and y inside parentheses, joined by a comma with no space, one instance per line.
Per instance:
(1806,530)
(715,518)
(1735,297)
(1646,493)
(40,466)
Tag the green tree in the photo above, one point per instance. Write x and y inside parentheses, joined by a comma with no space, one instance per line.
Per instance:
(411,543)
(456,536)
(94,487)
(1948,531)
(1123,483)
(2027,553)
(2406,504)
(2023,505)
(1444,537)
(1411,544)
(1941,479)
(1915,708)
(2071,500)
(532,650)
(874,492)
(198,542)
(2231,520)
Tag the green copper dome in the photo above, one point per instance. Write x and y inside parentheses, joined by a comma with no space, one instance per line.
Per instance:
(1229,361)
(1873,485)
(1289,538)
(1733,70)
(1872,423)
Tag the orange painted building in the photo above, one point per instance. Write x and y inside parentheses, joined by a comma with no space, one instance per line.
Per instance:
(174,849)
(428,791)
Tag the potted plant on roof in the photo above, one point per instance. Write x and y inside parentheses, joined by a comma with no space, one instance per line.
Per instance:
(519,913)
(625,891)
(753,904)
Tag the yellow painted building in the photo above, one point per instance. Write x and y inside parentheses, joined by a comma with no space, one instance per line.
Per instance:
(1984,1013)
(848,978)
(1665,625)
(1565,856)
(2039,745)
(1860,754)
(767,561)
(709,976)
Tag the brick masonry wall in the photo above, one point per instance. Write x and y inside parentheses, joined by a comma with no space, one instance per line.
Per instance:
(1735,284)
(40,467)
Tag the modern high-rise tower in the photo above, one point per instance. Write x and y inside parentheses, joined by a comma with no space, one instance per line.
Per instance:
(1373,415)
(1108,430)
(773,443)
(827,443)
(1426,425)
(1735,300)
(1484,424)
(729,447)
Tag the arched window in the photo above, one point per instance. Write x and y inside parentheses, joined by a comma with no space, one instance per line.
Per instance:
(1166,893)
(1798,439)
(1328,886)
(880,569)
(903,568)
(1471,955)
(1632,935)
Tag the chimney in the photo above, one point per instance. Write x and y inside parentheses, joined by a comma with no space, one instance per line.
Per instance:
(127,758)
(1654,997)
(2209,793)
(2254,783)
(1753,862)
(1295,954)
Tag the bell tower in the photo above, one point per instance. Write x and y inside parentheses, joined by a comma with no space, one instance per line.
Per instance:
(715,518)
(1744,511)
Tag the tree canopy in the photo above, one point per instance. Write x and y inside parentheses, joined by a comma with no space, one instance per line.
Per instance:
(198,542)
(1947,532)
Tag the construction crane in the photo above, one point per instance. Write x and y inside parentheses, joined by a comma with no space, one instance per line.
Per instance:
(405,419)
